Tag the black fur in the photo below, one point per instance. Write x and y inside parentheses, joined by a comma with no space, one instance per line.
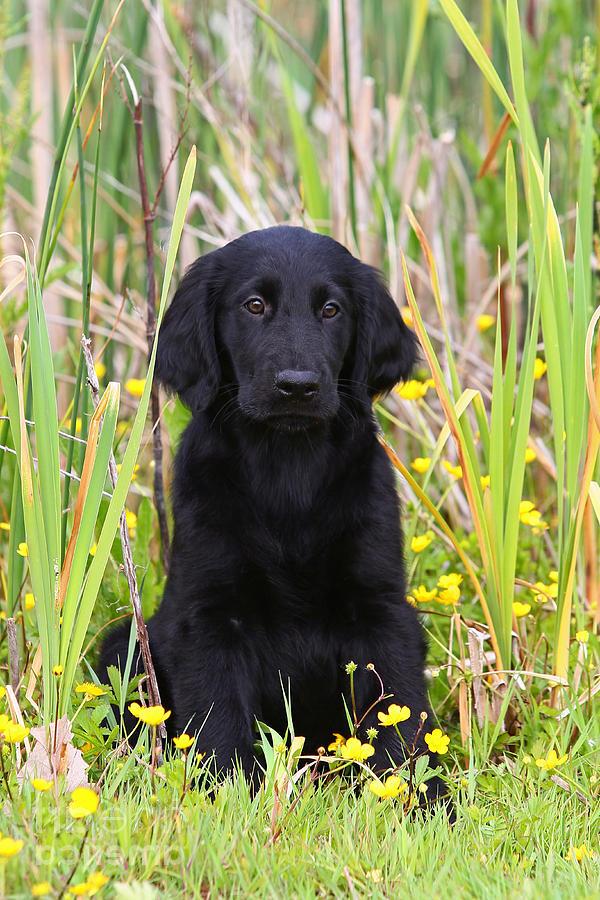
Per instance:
(287,553)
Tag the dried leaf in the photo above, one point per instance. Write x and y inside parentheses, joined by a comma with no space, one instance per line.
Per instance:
(50,757)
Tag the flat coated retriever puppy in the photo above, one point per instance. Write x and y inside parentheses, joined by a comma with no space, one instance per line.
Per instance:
(287,554)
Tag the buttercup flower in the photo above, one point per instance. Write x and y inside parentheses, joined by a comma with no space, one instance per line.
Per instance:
(23,549)
(58,670)
(531,516)
(9,847)
(355,750)
(131,520)
(437,741)
(407,316)
(578,854)
(394,715)
(455,471)
(2,691)
(135,386)
(449,596)
(149,715)
(12,732)
(393,786)
(530,455)
(84,802)
(89,689)
(183,742)
(422,595)
(421,464)
(412,390)
(41,784)
(451,578)
(539,368)
(485,481)
(5,526)
(421,542)
(552,761)
(100,370)
(29,602)
(582,636)
(41,889)
(546,591)
(485,321)
(520,609)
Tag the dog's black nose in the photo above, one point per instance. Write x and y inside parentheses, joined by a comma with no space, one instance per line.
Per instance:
(297,385)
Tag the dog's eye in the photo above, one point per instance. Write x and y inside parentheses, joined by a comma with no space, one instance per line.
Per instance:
(330,310)
(256,306)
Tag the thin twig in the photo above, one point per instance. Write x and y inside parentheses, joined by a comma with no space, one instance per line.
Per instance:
(13,652)
(149,216)
(141,630)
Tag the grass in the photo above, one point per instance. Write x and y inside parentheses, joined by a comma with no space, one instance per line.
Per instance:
(506,842)
(469,174)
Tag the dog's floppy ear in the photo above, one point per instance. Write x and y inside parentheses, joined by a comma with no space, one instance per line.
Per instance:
(186,360)
(386,348)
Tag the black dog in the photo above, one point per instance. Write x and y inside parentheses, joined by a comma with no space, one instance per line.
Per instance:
(287,554)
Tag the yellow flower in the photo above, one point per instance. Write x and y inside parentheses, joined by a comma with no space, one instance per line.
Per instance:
(149,715)
(23,549)
(131,520)
(97,880)
(134,474)
(485,481)
(420,464)
(578,854)
(2,691)
(58,670)
(530,455)
(531,516)
(553,575)
(183,742)
(12,732)
(449,596)
(84,802)
(407,316)
(135,386)
(5,526)
(100,370)
(89,689)
(545,591)
(93,549)
(9,847)
(485,321)
(41,889)
(41,784)
(437,741)
(421,542)
(394,715)
(520,609)
(552,761)
(354,750)
(454,471)
(29,601)
(81,889)
(339,741)
(422,595)
(412,390)
(582,636)
(452,578)
(539,368)
(392,787)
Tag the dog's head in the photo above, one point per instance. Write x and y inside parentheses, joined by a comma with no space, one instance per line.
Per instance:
(285,324)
